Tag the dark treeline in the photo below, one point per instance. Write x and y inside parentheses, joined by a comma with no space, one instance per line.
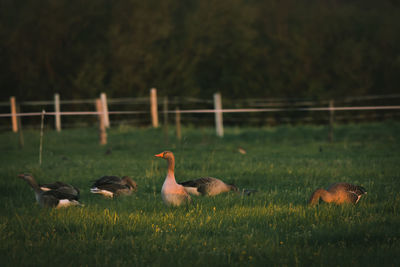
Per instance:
(242,48)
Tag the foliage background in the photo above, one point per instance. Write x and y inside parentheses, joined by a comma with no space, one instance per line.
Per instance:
(243,48)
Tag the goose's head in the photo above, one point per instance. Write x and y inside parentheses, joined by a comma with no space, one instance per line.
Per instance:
(128,181)
(165,155)
(30,180)
(233,188)
(26,176)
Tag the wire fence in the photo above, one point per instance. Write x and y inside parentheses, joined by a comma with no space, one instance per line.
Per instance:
(249,112)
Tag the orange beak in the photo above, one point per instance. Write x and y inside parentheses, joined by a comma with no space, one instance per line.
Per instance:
(159,155)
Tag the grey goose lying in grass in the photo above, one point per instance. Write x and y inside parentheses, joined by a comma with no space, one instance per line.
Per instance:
(52,198)
(113,186)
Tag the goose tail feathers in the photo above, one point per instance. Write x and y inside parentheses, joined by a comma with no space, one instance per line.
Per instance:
(95,190)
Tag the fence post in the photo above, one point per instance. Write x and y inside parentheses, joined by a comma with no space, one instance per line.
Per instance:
(57,112)
(13,114)
(41,136)
(178,123)
(165,124)
(102,127)
(331,120)
(103,98)
(153,107)
(218,115)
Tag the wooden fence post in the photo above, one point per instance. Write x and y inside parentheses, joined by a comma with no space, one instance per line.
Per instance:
(218,115)
(102,127)
(104,105)
(13,114)
(153,107)
(57,112)
(165,124)
(178,123)
(331,120)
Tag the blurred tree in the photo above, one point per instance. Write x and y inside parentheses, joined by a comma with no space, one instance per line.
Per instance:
(242,48)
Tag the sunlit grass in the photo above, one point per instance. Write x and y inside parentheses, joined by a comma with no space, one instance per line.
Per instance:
(273,227)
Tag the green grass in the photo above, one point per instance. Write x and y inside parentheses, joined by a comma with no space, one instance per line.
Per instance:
(274,227)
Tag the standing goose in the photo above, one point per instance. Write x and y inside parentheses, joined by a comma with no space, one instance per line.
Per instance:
(50,198)
(208,186)
(173,194)
(338,193)
(61,187)
(113,186)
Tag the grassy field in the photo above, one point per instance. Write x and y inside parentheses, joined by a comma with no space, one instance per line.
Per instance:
(274,227)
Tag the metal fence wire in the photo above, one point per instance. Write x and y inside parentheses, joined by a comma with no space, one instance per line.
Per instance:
(144,111)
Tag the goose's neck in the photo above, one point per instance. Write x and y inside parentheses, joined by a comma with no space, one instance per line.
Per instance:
(320,193)
(32,182)
(171,167)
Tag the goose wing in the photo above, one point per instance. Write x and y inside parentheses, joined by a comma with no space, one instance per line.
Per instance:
(355,189)
(191,183)
(352,192)
(59,194)
(355,192)
(107,180)
(62,187)
(358,190)
(69,191)
(198,182)
(55,185)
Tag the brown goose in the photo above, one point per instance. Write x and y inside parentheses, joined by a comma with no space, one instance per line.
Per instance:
(173,194)
(113,186)
(208,186)
(51,198)
(338,193)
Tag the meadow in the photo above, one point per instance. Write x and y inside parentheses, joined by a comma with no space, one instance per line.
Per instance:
(274,227)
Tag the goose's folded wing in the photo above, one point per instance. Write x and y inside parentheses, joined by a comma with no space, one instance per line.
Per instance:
(59,195)
(191,183)
(113,187)
(199,182)
(69,191)
(55,185)
(107,180)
